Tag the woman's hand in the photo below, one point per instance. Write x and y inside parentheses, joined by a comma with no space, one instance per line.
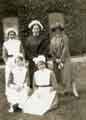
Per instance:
(58,60)
(61,66)
(26,63)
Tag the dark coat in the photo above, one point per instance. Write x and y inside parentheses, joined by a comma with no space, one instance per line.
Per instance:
(35,46)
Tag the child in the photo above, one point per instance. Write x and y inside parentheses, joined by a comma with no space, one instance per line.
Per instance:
(44,96)
(17,84)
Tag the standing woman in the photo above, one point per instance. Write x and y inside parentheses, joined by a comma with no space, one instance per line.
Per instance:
(35,44)
(11,47)
(59,49)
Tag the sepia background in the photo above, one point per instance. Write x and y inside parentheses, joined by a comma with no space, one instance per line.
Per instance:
(74,20)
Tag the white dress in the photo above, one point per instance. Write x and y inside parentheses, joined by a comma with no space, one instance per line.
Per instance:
(12,47)
(42,98)
(15,96)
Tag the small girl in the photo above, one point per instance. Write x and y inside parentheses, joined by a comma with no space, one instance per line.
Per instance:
(18,84)
(44,96)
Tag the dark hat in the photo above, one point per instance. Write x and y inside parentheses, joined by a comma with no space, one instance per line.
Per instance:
(57,25)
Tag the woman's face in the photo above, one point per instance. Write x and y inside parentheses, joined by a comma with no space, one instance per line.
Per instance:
(41,65)
(35,30)
(58,31)
(12,35)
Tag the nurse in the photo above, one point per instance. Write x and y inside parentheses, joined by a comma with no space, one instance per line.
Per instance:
(44,97)
(11,47)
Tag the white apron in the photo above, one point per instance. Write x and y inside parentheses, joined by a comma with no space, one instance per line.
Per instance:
(13,48)
(13,94)
(42,99)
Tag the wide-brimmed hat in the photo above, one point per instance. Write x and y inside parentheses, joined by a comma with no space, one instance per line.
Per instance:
(35,22)
(40,58)
(57,25)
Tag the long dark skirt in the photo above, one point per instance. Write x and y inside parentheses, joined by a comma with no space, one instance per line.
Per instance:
(32,69)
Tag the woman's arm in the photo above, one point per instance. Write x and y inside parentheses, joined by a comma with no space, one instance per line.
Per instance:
(53,81)
(52,50)
(34,82)
(22,49)
(65,48)
(27,78)
(27,83)
(4,54)
(10,80)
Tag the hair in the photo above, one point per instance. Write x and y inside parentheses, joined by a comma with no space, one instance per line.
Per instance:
(12,32)
(37,25)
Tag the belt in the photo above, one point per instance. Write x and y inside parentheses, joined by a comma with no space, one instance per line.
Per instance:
(42,85)
(10,56)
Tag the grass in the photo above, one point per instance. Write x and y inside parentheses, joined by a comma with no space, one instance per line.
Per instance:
(69,108)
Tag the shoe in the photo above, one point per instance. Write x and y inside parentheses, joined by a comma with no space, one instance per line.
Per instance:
(16,108)
(11,110)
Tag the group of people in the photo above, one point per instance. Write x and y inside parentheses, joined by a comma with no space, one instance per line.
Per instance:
(33,74)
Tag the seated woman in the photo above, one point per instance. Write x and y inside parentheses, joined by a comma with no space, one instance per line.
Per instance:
(18,84)
(44,97)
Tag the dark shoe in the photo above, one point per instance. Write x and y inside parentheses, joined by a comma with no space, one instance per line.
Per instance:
(16,108)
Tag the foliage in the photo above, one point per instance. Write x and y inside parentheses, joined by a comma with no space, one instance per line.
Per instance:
(27,10)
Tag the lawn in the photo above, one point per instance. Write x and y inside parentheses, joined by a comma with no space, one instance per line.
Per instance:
(69,108)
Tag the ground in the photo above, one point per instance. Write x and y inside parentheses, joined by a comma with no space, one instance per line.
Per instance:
(69,107)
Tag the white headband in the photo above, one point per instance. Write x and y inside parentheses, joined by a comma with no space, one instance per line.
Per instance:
(11,29)
(40,58)
(34,22)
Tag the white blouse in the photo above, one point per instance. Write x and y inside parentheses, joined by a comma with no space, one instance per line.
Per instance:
(19,75)
(42,77)
(12,46)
